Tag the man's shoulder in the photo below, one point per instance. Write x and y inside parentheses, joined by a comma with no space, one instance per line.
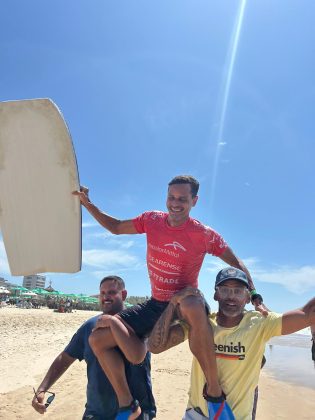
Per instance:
(251,316)
(256,314)
(153,215)
(90,323)
(198,226)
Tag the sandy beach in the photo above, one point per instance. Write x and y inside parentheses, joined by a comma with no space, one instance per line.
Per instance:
(32,338)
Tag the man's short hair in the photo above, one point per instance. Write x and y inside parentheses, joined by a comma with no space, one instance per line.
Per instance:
(186,179)
(118,280)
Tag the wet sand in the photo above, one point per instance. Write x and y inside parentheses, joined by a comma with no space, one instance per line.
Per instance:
(289,359)
(32,338)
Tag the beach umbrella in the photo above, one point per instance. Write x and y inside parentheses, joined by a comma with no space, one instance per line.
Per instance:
(56,293)
(17,290)
(81,296)
(71,295)
(20,288)
(85,298)
(40,291)
(30,294)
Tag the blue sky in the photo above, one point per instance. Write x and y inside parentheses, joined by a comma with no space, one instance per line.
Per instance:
(150,90)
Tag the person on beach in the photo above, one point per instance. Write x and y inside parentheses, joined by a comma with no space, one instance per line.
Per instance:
(176,247)
(240,337)
(101,402)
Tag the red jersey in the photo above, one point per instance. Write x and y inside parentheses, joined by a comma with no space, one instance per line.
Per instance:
(175,254)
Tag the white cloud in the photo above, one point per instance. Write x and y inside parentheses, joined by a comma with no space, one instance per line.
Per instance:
(297,280)
(108,259)
(222,143)
(89,224)
(127,245)
(103,234)
(113,240)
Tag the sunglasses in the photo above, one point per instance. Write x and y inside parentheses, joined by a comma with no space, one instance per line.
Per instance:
(49,400)
(237,292)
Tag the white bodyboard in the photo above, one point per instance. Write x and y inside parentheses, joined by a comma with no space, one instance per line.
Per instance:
(40,219)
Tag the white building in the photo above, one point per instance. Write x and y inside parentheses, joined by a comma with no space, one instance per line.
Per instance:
(34,281)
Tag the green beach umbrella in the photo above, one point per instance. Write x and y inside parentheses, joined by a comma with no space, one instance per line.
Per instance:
(17,290)
(40,291)
(57,293)
(28,294)
(21,288)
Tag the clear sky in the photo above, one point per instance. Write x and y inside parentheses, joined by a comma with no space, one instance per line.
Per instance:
(223,90)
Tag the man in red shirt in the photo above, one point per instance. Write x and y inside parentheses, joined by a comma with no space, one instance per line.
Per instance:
(176,247)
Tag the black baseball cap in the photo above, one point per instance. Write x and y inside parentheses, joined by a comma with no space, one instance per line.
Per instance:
(231,273)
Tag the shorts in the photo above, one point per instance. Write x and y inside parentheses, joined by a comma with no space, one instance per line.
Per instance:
(142,317)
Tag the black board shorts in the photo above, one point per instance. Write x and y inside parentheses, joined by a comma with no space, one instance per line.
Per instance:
(142,317)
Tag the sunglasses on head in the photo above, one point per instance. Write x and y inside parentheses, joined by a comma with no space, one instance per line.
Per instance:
(49,400)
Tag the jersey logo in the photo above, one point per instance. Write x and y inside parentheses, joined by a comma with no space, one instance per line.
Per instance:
(230,356)
(230,351)
(176,246)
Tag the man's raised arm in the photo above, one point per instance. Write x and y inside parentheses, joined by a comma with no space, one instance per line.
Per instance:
(298,319)
(115,226)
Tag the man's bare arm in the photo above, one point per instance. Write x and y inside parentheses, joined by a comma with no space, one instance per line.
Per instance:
(298,319)
(57,369)
(115,226)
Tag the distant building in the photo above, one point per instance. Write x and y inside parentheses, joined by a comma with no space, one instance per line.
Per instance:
(3,282)
(34,281)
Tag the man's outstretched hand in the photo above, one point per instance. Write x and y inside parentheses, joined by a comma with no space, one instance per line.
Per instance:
(260,306)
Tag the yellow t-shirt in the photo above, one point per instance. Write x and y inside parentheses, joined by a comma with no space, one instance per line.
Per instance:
(239,351)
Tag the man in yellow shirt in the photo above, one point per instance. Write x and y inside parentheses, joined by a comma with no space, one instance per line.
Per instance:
(240,337)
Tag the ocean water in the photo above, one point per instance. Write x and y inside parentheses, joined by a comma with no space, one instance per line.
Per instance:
(289,359)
